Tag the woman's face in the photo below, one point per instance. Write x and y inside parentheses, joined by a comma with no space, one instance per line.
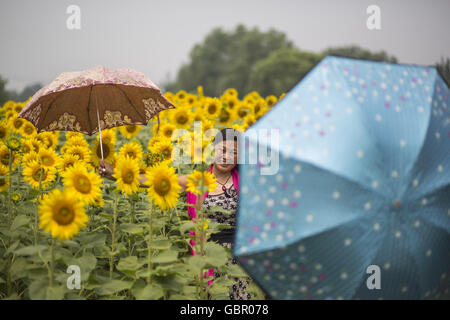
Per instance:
(226,155)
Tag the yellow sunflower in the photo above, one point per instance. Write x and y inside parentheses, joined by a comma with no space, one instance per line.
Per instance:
(129,131)
(37,145)
(132,149)
(30,156)
(194,182)
(231,101)
(4,129)
(108,136)
(200,92)
(231,92)
(108,152)
(164,147)
(242,110)
(48,157)
(153,141)
(82,153)
(73,134)
(191,100)
(181,117)
(212,107)
(27,147)
(181,95)
(127,174)
(61,214)
(77,141)
(271,100)
(225,117)
(18,107)
(16,124)
(5,155)
(164,189)
(32,174)
(249,120)
(28,129)
(166,129)
(67,161)
(85,184)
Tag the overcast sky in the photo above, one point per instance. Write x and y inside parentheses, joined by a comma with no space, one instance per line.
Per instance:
(155,37)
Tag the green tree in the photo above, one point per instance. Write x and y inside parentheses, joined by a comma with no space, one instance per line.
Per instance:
(281,70)
(359,53)
(4,94)
(444,69)
(226,59)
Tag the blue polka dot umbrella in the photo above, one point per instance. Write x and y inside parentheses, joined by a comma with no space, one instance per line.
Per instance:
(358,206)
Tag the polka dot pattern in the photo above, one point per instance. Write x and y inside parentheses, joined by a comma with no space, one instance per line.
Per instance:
(363,179)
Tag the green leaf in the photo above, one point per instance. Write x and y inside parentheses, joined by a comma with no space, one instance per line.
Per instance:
(188,225)
(161,244)
(20,221)
(132,228)
(30,250)
(129,265)
(149,292)
(113,286)
(12,248)
(86,263)
(234,270)
(39,290)
(216,255)
(166,256)
(92,240)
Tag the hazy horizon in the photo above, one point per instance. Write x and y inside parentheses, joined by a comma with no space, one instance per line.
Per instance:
(156,38)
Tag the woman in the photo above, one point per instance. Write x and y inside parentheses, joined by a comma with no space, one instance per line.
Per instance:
(226,195)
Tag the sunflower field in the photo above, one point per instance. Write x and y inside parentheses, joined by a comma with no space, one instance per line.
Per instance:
(59,217)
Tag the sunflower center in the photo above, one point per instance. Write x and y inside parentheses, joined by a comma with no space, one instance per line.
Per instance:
(2,182)
(242,112)
(131,128)
(131,154)
(64,215)
(26,149)
(212,108)
(28,129)
(37,175)
(5,159)
(166,153)
(2,133)
(182,119)
(224,116)
(162,187)
(106,151)
(17,124)
(47,161)
(168,133)
(128,177)
(83,184)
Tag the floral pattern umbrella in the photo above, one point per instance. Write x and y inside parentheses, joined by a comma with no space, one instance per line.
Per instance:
(363,183)
(91,100)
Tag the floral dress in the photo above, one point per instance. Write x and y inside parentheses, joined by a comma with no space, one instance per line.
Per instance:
(228,201)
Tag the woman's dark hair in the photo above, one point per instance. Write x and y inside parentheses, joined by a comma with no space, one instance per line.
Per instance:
(227,134)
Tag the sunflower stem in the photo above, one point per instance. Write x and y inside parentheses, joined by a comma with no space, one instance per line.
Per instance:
(10,181)
(52,263)
(149,245)
(113,236)
(36,212)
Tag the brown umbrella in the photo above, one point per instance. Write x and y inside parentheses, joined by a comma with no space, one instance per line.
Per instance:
(95,99)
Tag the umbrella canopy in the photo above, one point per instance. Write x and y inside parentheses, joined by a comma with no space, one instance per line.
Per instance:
(363,179)
(80,101)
